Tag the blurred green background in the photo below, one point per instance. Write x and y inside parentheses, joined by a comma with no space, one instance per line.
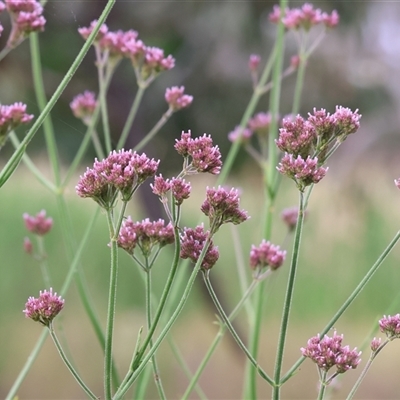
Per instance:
(353,212)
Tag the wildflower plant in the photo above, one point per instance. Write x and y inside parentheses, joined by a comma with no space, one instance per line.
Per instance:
(295,147)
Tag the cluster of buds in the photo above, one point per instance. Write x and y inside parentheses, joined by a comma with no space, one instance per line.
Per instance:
(179,188)
(146,235)
(329,352)
(192,244)
(290,217)
(10,118)
(38,224)
(390,326)
(26,17)
(122,171)
(306,143)
(222,206)
(112,46)
(304,18)
(83,106)
(44,308)
(259,124)
(200,155)
(266,255)
(177,99)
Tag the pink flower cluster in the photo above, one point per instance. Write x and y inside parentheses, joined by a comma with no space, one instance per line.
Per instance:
(26,17)
(390,325)
(306,142)
(259,124)
(38,224)
(222,206)
(146,235)
(304,18)
(204,156)
(148,61)
(266,255)
(44,308)
(178,186)
(192,244)
(177,99)
(122,171)
(10,118)
(329,352)
(290,216)
(83,106)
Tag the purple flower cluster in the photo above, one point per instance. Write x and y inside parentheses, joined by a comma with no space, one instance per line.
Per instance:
(204,156)
(146,235)
(266,255)
(10,118)
(390,326)
(177,99)
(192,244)
(122,171)
(38,224)
(290,216)
(147,61)
(44,308)
(83,106)
(304,18)
(178,186)
(222,206)
(306,142)
(329,352)
(26,17)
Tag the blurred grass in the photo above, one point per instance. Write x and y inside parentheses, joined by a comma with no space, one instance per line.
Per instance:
(347,228)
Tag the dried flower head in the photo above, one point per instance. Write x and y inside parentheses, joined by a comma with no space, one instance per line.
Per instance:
(38,224)
(266,255)
(329,352)
(177,99)
(222,206)
(192,244)
(44,308)
(390,326)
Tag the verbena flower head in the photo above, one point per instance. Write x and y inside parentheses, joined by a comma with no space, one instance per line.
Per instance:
(177,99)
(145,234)
(122,171)
(375,343)
(192,244)
(180,190)
(205,157)
(38,224)
(254,62)
(260,123)
(222,206)
(397,183)
(390,326)
(83,106)
(328,352)
(290,216)
(26,17)
(304,18)
(239,133)
(11,117)
(303,172)
(44,308)
(28,246)
(266,255)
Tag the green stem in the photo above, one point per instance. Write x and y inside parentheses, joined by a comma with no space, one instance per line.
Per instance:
(322,386)
(161,122)
(288,299)
(14,160)
(231,329)
(43,262)
(103,104)
(156,372)
(299,82)
(349,300)
(112,295)
(131,116)
(69,365)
